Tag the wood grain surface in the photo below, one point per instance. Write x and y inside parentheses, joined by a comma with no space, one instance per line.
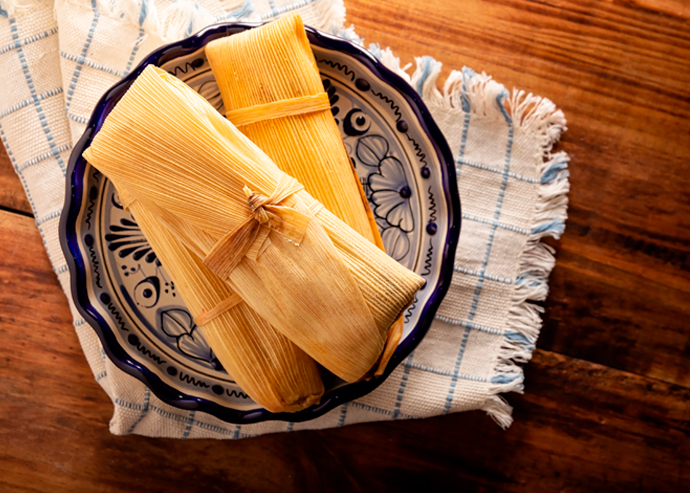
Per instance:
(607,402)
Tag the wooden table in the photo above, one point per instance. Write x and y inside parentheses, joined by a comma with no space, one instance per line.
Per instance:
(607,406)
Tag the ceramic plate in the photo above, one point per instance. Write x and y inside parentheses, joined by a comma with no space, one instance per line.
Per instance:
(123,291)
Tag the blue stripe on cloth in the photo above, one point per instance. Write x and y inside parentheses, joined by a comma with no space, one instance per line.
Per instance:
(83,61)
(168,414)
(245,10)
(557,226)
(3,13)
(467,73)
(445,373)
(469,325)
(43,157)
(190,27)
(48,217)
(378,410)
(474,273)
(456,372)
(426,71)
(496,224)
(403,384)
(531,279)
(286,8)
(78,119)
(497,213)
(103,357)
(502,108)
(520,339)
(27,102)
(289,426)
(215,429)
(480,281)
(427,369)
(498,171)
(190,423)
(129,405)
(143,12)
(36,101)
(84,52)
(553,171)
(236,435)
(60,269)
(144,411)
(272,4)
(504,378)
(133,55)
(343,413)
(31,39)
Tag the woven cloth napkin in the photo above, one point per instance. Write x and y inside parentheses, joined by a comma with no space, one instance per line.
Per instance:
(56,60)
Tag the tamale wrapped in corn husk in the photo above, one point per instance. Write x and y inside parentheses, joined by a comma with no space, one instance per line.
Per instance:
(274,372)
(274,65)
(261,72)
(317,281)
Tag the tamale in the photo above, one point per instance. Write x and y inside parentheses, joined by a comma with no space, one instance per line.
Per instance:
(313,278)
(274,65)
(270,85)
(274,372)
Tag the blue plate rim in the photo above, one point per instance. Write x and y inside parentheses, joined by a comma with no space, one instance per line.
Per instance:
(75,193)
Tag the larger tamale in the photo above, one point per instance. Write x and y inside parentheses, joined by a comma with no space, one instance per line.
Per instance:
(313,278)
(274,372)
(269,80)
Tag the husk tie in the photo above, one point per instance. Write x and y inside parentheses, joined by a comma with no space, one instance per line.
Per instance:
(279,109)
(250,238)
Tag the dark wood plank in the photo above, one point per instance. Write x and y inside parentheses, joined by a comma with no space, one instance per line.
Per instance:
(12,194)
(581,426)
(620,293)
(606,307)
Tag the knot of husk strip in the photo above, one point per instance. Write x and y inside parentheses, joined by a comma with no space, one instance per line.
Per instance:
(250,238)
(256,202)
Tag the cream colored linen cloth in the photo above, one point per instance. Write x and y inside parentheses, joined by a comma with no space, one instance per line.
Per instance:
(56,60)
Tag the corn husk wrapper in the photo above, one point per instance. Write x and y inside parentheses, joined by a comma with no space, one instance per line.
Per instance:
(274,372)
(263,75)
(335,295)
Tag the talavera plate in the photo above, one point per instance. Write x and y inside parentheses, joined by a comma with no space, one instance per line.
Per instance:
(124,292)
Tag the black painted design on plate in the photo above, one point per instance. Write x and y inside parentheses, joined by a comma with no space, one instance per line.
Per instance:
(187,67)
(93,195)
(134,341)
(428,259)
(184,377)
(178,324)
(339,66)
(236,393)
(88,241)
